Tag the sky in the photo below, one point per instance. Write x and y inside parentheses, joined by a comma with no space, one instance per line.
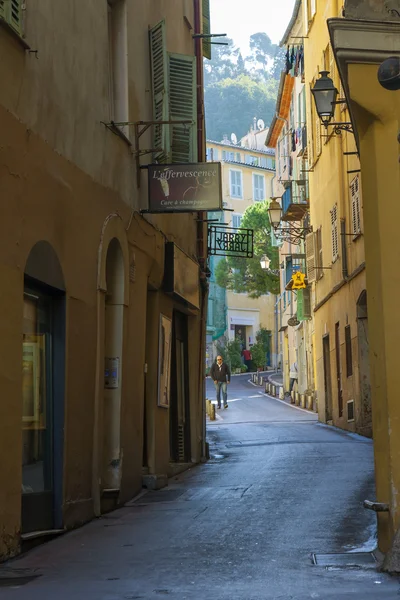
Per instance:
(241,18)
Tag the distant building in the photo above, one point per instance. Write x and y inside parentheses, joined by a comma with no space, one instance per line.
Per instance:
(247,171)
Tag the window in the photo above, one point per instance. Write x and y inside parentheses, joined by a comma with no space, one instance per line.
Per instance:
(176,74)
(258,187)
(209,154)
(335,233)
(263,162)
(355,206)
(11,13)
(236,220)
(349,354)
(215,157)
(238,158)
(118,62)
(236,184)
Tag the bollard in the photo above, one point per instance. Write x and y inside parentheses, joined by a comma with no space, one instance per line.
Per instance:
(297,398)
(212,412)
(309,402)
(302,401)
(292,397)
(266,387)
(208,404)
(281,393)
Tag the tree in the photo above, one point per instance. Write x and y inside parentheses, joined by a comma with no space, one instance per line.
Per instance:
(245,274)
(232,103)
(224,62)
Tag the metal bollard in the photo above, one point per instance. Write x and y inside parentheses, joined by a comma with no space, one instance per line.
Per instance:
(208,404)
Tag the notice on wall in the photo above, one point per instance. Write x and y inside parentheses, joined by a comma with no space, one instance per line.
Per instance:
(185,188)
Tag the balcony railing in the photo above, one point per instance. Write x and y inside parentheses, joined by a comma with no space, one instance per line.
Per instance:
(295,200)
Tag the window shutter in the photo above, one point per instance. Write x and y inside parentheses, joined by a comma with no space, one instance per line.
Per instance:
(311,258)
(159,77)
(16,15)
(355,205)
(318,258)
(310,144)
(182,101)
(304,304)
(313,8)
(318,146)
(2,9)
(335,236)
(206,29)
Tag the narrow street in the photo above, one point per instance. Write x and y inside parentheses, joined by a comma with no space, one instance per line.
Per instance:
(278,487)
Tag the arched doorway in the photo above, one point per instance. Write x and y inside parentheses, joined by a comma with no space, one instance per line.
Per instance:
(43,387)
(113,344)
(363,364)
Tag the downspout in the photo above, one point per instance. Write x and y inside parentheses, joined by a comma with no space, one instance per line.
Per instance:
(201,249)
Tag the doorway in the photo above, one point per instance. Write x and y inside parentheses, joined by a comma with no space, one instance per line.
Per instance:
(42,408)
(338,370)
(363,362)
(327,378)
(240,334)
(113,344)
(180,444)
(43,390)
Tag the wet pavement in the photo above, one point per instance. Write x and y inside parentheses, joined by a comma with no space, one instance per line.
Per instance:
(279,489)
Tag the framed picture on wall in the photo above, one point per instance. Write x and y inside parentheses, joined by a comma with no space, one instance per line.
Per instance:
(164,361)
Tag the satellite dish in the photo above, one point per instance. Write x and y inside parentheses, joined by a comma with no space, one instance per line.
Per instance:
(233,139)
(260,124)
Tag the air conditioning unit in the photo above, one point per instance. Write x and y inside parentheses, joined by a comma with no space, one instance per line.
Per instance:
(350,411)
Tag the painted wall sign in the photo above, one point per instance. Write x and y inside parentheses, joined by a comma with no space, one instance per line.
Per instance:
(185,188)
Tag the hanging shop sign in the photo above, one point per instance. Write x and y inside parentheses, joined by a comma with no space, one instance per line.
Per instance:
(230,241)
(299,281)
(184,188)
(181,278)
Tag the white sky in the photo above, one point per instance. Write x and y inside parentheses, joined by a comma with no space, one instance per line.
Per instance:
(241,18)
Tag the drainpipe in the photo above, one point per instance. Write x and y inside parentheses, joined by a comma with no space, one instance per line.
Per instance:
(201,249)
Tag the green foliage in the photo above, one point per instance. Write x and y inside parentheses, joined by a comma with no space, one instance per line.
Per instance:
(238,88)
(263,337)
(258,354)
(233,353)
(245,274)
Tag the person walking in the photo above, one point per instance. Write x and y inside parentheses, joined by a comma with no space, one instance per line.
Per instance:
(293,375)
(221,375)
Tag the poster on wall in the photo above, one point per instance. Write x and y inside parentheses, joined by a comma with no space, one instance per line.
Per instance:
(164,361)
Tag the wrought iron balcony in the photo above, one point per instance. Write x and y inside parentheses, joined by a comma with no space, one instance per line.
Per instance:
(295,200)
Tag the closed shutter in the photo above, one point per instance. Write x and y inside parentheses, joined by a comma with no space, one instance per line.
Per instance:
(236,221)
(310,151)
(318,145)
(2,9)
(355,206)
(318,253)
(335,233)
(16,15)
(206,29)
(311,258)
(159,77)
(304,304)
(236,184)
(258,185)
(182,103)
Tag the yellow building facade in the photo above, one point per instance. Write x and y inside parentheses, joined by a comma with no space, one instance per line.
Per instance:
(368,36)
(93,415)
(247,171)
(335,333)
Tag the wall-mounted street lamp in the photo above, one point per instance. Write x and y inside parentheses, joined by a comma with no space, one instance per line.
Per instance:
(325,97)
(274,212)
(291,234)
(265,263)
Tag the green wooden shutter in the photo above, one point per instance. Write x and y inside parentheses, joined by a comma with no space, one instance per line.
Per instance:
(16,15)
(2,9)
(183,107)
(206,29)
(159,80)
(304,304)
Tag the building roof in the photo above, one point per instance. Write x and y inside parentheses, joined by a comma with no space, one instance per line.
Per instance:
(283,101)
(295,14)
(268,151)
